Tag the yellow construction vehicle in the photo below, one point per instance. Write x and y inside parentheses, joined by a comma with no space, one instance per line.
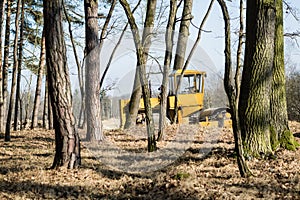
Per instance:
(190,102)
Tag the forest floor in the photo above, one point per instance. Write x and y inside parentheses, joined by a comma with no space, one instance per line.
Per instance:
(214,175)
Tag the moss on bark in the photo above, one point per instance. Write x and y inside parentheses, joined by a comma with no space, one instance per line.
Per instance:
(287,141)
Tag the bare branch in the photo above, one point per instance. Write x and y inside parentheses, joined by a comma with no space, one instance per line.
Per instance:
(290,9)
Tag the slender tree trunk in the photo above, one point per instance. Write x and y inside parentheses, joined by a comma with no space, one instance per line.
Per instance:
(232,91)
(67,142)
(46,102)
(167,62)
(5,68)
(141,64)
(79,71)
(183,34)
(37,98)
(137,87)
(21,113)
(14,76)
(50,112)
(19,73)
(28,100)
(254,107)
(134,101)
(2,9)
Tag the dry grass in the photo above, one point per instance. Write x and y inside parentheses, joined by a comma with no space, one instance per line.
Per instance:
(24,174)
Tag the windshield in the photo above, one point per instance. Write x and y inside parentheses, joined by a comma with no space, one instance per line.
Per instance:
(190,83)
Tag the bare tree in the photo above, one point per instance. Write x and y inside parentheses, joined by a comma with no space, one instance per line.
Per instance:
(37,97)
(14,76)
(141,62)
(78,65)
(233,88)
(2,9)
(167,62)
(146,42)
(5,68)
(183,34)
(19,73)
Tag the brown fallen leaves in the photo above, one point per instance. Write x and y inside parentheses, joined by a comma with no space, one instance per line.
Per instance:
(24,175)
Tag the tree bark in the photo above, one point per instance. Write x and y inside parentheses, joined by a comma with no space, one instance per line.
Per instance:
(146,42)
(92,72)
(167,62)
(45,111)
(38,89)
(79,69)
(254,107)
(67,144)
(2,9)
(14,75)
(232,91)
(19,73)
(141,62)
(280,132)
(5,68)
(183,34)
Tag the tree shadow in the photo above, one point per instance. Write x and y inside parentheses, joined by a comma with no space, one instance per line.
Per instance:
(43,139)
(264,189)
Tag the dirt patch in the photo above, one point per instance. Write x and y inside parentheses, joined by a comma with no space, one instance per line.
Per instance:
(24,174)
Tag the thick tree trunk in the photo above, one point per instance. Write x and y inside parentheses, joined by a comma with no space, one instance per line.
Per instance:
(5,68)
(2,9)
(280,133)
(254,107)
(67,143)
(38,89)
(19,73)
(92,72)
(183,34)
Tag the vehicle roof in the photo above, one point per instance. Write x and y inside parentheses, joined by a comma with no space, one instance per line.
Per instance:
(188,71)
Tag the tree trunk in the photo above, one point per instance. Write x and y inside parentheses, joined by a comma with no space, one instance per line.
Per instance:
(280,133)
(137,87)
(28,100)
(167,62)
(5,68)
(14,75)
(183,34)
(50,112)
(2,9)
(19,73)
(79,70)
(141,63)
(46,102)
(254,107)
(92,72)
(67,142)
(231,91)
(37,98)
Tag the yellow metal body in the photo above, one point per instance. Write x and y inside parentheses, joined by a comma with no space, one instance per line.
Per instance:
(190,98)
